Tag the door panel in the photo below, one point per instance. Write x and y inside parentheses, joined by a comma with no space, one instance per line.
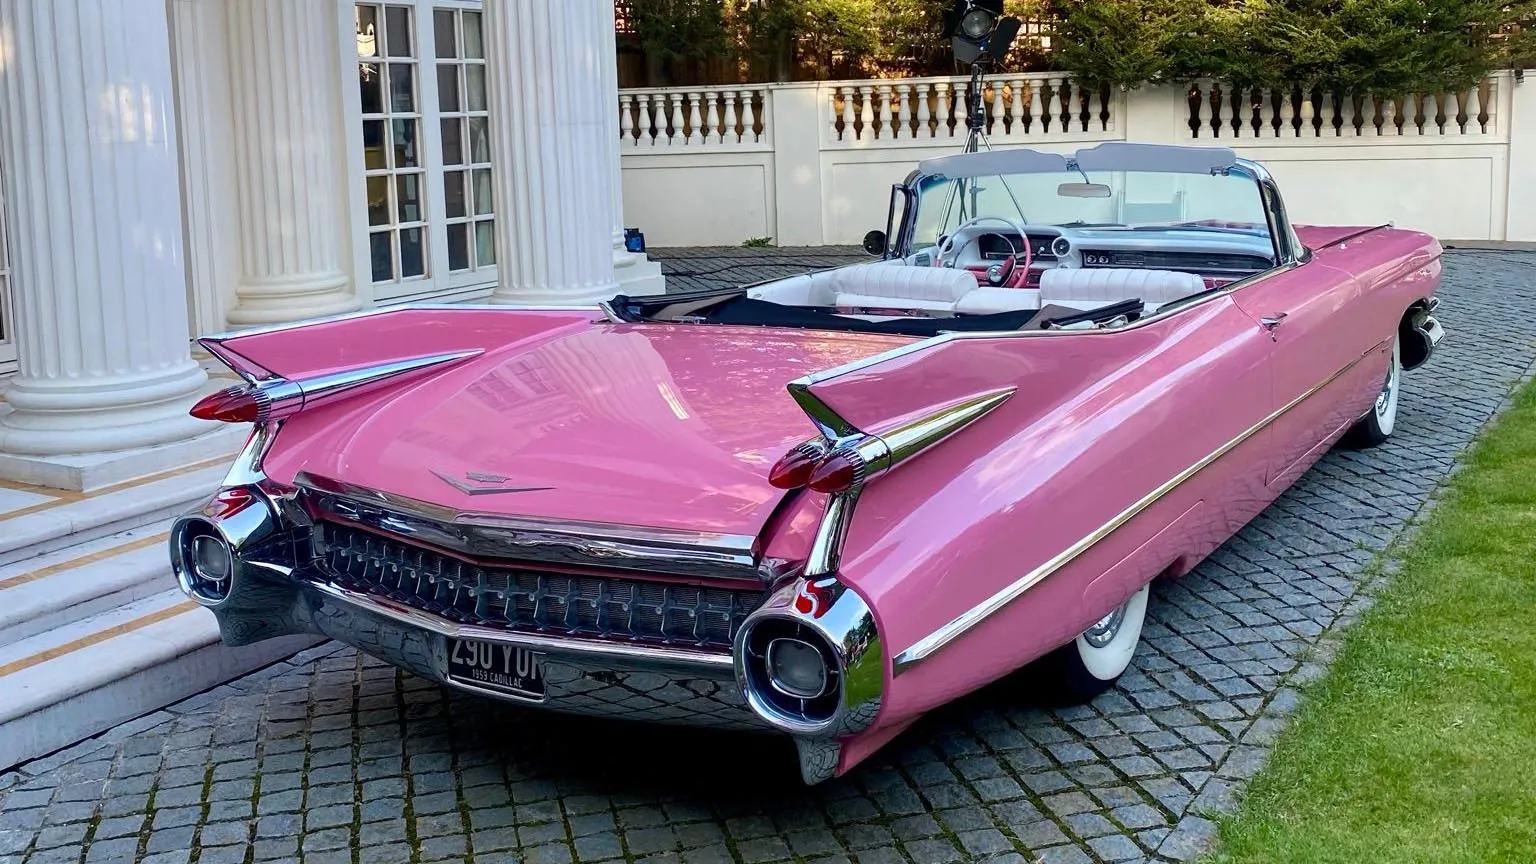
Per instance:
(1309,312)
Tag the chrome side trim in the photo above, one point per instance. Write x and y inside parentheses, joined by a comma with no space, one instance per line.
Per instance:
(567,646)
(935,641)
(668,551)
(383,310)
(281,398)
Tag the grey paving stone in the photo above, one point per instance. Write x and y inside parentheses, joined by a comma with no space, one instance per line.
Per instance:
(597,847)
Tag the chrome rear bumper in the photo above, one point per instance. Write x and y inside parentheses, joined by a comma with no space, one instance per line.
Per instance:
(257,561)
(624,681)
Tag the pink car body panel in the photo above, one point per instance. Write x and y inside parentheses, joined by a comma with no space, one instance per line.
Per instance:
(655,425)
(675,426)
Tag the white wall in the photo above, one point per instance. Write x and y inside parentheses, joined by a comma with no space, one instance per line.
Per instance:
(820,168)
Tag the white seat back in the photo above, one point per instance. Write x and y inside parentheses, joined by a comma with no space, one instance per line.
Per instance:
(887,287)
(810,290)
(1102,286)
(989,301)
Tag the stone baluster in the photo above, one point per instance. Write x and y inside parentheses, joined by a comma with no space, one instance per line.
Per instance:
(749,116)
(675,128)
(1475,109)
(1287,114)
(904,109)
(886,130)
(1212,97)
(850,129)
(1016,107)
(941,126)
(626,121)
(867,113)
(1036,107)
(696,118)
(1346,114)
(643,119)
(1388,117)
(731,133)
(924,113)
(711,119)
(999,125)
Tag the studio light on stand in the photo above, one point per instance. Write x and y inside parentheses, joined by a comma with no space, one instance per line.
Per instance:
(981,36)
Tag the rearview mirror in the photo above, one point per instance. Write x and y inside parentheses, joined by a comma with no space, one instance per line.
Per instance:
(1084,190)
(874,242)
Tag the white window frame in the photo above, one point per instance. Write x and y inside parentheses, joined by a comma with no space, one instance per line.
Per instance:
(438,283)
(7,318)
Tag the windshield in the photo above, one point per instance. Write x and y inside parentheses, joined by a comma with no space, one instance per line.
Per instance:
(1107,200)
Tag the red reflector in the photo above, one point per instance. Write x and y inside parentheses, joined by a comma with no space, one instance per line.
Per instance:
(794,469)
(235,405)
(229,502)
(838,472)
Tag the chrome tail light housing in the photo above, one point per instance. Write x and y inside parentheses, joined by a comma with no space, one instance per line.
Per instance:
(810,622)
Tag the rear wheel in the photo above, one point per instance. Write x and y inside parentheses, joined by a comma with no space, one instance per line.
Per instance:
(1095,660)
(1377,425)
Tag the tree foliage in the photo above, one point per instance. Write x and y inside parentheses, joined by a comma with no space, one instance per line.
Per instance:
(1390,47)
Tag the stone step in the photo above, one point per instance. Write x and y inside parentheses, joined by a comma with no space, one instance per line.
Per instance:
(59,588)
(79,679)
(35,521)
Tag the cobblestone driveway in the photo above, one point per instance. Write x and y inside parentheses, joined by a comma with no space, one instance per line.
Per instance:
(337,758)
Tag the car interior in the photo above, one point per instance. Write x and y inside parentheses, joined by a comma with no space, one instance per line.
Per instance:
(1097,255)
(1105,282)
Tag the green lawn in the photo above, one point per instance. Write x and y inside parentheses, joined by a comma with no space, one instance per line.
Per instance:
(1420,743)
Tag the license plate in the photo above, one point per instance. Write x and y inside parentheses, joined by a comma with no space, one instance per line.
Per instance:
(506,668)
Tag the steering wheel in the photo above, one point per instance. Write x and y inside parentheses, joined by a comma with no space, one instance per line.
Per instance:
(1013,275)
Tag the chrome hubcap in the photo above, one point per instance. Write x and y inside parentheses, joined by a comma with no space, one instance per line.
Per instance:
(1384,398)
(1104,630)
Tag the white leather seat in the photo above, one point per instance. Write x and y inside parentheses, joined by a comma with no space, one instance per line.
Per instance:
(811,289)
(1101,286)
(988,301)
(934,289)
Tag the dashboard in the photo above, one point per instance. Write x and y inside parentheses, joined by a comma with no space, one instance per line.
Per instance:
(1211,253)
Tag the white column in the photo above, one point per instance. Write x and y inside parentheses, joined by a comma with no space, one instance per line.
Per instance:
(554,144)
(636,274)
(288,142)
(88,146)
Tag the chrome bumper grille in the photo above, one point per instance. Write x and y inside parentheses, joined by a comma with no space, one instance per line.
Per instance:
(536,601)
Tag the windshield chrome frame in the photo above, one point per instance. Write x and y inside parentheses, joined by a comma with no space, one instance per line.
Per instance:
(1283,241)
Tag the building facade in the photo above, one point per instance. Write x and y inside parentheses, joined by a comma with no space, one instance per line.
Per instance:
(171,168)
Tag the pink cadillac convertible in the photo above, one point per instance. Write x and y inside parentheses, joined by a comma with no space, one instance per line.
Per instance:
(827,504)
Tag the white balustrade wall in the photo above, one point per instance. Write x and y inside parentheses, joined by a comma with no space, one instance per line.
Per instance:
(813,163)
(1029,107)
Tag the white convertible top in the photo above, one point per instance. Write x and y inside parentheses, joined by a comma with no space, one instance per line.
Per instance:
(1109,156)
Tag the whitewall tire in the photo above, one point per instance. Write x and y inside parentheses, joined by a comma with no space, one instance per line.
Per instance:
(1379,423)
(1095,660)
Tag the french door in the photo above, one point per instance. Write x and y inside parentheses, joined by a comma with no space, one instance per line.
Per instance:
(425,160)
